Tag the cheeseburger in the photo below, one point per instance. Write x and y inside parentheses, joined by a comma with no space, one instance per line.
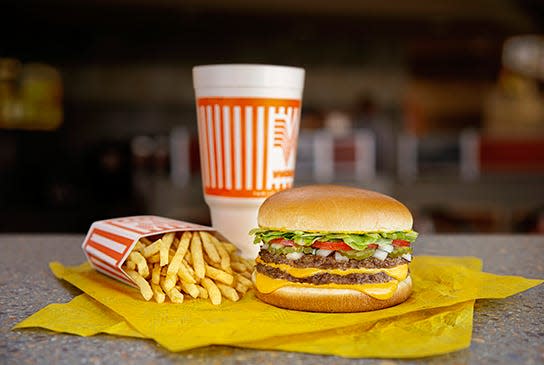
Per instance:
(327,248)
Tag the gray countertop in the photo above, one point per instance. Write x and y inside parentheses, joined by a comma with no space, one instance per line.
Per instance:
(508,331)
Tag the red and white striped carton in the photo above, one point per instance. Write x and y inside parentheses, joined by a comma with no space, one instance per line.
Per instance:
(109,242)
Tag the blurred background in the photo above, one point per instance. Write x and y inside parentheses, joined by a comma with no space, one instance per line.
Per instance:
(438,103)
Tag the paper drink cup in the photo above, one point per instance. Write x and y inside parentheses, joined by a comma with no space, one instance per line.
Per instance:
(248,121)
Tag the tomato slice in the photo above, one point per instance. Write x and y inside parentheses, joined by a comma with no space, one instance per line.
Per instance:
(340,246)
(401,243)
(282,241)
(372,246)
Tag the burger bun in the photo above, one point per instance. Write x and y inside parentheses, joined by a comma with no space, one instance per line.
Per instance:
(333,208)
(311,299)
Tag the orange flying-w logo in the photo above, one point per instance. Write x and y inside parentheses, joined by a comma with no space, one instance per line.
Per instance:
(285,131)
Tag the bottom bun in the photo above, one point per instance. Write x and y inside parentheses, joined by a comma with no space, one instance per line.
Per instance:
(333,300)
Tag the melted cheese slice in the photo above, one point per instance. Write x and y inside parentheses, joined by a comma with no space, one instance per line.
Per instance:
(382,291)
(398,272)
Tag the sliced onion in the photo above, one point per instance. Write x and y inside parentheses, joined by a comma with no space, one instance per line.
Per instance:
(323,253)
(294,255)
(339,257)
(407,257)
(380,254)
(276,246)
(387,248)
(265,246)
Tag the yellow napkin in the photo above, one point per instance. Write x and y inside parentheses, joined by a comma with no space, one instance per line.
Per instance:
(424,333)
(437,318)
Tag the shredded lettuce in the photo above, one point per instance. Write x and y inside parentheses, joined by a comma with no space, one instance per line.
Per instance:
(358,255)
(357,241)
(399,251)
(284,250)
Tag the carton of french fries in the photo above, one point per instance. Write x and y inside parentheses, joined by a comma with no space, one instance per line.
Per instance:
(167,259)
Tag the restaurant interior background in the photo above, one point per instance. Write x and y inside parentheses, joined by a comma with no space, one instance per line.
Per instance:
(438,103)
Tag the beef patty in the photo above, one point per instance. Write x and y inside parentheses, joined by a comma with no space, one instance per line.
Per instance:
(324,278)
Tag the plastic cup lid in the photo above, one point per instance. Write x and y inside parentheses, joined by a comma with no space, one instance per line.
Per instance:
(248,75)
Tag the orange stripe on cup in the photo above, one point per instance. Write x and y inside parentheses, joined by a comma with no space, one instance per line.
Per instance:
(248,145)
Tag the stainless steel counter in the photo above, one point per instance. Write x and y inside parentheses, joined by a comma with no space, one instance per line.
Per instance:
(508,331)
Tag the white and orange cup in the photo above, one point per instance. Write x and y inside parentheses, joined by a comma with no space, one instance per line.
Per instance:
(248,121)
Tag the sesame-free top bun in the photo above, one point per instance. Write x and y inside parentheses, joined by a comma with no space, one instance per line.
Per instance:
(333,208)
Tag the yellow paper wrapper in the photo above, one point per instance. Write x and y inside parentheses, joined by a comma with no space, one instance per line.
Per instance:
(82,316)
(437,318)
(425,333)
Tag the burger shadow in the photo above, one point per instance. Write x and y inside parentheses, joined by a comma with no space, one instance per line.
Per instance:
(222,353)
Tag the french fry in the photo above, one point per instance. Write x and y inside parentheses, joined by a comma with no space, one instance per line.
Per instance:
(140,262)
(156,274)
(203,293)
(197,257)
(238,266)
(250,264)
(229,247)
(175,244)
(154,259)
(170,281)
(196,263)
(243,262)
(161,283)
(217,265)
(158,294)
(183,246)
(130,265)
(152,248)
(213,291)
(175,296)
(185,275)
(228,292)
(188,258)
(241,288)
(139,246)
(145,289)
(190,289)
(145,241)
(243,280)
(219,275)
(224,254)
(173,268)
(189,268)
(165,243)
(247,264)
(157,257)
(209,247)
